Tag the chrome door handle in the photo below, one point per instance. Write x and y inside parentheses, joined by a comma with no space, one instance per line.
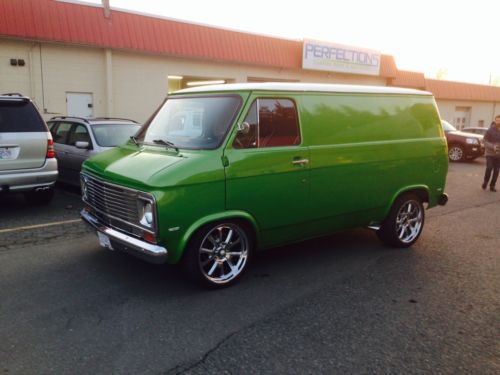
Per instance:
(300,162)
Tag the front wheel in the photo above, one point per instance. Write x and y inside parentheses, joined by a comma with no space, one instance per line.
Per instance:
(219,253)
(405,222)
(456,153)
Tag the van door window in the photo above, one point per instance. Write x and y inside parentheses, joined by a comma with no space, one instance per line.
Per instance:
(271,123)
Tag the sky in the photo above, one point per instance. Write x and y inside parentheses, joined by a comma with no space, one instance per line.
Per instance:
(451,39)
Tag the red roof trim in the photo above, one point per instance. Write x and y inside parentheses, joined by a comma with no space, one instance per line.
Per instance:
(450,90)
(82,24)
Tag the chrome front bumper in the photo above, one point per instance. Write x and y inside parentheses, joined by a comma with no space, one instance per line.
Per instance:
(120,241)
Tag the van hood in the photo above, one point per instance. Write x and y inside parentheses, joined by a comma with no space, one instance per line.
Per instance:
(131,166)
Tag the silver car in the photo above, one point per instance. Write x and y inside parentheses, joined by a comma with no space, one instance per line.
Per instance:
(27,159)
(76,139)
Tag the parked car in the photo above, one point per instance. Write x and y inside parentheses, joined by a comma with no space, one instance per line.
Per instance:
(462,146)
(76,139)
(222,171)
(27,159)
(475,130)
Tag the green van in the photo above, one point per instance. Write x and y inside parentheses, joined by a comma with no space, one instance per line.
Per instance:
(219,172)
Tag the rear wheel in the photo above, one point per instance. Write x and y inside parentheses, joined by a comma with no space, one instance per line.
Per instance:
(456,153)
(219,253)
(40,197)
(405,222)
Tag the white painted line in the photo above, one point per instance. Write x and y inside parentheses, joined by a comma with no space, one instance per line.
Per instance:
(36,226)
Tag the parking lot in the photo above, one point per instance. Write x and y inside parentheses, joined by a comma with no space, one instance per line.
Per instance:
(339,304)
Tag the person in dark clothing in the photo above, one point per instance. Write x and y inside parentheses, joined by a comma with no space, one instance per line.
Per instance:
(492,145)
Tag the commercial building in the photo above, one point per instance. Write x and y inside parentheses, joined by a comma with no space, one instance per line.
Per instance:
(74,58)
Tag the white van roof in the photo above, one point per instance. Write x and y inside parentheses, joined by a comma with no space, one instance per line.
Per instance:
(303,87)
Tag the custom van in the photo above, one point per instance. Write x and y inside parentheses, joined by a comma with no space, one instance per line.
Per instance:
(219,172)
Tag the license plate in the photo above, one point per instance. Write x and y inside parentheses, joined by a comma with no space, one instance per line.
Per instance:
(104,240)
(5,153)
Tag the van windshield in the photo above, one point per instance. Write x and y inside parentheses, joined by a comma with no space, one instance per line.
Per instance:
(192,122)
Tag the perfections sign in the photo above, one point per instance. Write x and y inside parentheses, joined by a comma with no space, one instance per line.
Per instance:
(340,58)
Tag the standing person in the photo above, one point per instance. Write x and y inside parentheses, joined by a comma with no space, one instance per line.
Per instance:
(492,144)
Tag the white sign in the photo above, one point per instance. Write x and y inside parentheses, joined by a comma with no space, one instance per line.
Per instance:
(339,58)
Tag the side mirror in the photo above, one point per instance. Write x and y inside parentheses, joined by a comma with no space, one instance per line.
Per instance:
(82,145)
(244,128)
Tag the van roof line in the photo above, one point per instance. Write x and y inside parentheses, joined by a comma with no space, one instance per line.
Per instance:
(304,87)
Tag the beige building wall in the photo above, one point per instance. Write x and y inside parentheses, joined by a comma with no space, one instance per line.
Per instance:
(72,69)
(140,82)
(479,111)
(21,79)
(132,85)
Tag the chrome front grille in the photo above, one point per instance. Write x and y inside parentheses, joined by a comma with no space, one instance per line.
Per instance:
(112,204)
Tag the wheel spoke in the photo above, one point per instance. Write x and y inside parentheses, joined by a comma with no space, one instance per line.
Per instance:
(403,229)
(212,269)
(205,250)
(235,253)
(229,236)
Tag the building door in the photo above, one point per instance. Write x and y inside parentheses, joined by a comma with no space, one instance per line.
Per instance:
(79,104)
(462,117)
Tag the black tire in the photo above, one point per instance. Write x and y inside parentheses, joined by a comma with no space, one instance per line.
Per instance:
(219,253)
(405,222)
(40,198)
(456,153)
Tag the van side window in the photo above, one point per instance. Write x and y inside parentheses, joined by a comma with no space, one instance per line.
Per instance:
(273,123)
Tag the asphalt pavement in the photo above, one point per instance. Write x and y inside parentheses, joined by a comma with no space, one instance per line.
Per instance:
(336,305)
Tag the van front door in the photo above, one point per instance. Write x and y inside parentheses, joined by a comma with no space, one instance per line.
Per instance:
(267,170)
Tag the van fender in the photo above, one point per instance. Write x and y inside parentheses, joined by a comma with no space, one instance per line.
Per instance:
(226,215)
(420,190)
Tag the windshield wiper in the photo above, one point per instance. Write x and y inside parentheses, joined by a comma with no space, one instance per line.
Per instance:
(166,143)
(134,139)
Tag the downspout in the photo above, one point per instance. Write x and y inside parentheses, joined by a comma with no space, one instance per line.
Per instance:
(109,83)
(41,77)
(32,72)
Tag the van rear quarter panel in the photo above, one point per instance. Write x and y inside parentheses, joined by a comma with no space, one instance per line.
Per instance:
(367,148)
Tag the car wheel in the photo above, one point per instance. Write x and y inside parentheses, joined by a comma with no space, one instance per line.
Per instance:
(405,222)
(456,153)
(40,197)
(219,253)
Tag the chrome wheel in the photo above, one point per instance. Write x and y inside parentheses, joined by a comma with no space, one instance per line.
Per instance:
(409,221)
(455,153)
(223,253)
(404,223)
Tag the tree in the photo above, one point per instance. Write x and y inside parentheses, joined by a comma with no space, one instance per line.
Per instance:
(441,73)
